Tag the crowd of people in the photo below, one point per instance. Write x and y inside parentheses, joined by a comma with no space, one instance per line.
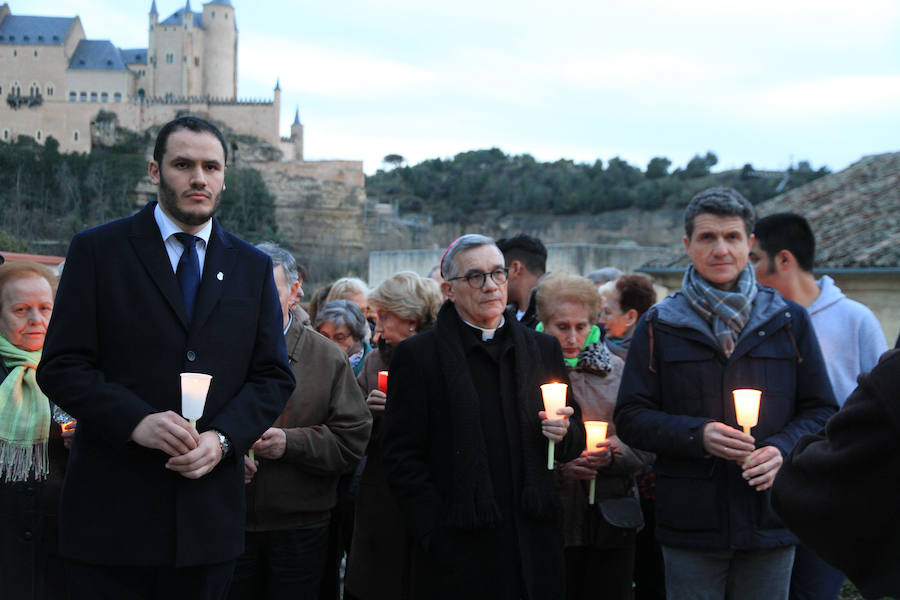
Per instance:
(393,442)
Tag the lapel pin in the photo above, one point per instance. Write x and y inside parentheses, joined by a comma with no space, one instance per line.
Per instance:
(220,276)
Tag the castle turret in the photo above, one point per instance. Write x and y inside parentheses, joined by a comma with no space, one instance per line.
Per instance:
(151,54)
(297,135)
(220,50)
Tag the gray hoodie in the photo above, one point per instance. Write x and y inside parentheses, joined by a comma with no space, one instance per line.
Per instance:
(850,337)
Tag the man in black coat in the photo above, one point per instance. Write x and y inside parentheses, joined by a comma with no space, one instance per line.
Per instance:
(838,488)
(152,506)
(465,441)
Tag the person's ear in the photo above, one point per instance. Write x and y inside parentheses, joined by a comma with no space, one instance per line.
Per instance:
(631,316)
(785,260)
(153,171)
(447,288)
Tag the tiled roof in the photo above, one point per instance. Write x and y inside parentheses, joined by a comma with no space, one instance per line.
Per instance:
(176,18)
(855,215)
(97,55)
(134,56)
(34,30)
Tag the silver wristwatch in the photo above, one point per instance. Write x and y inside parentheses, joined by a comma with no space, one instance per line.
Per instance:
(224,443)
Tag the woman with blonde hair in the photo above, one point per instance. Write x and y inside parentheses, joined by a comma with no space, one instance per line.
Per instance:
(599,538)
(405,304)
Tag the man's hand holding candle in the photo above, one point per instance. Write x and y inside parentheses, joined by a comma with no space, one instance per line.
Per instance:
(555,430)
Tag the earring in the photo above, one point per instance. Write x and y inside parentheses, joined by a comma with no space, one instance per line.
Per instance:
(412,328)
(223,187)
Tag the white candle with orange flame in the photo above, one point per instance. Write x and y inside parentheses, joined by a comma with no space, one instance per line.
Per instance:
(596,433)
(554,398)
(746,407)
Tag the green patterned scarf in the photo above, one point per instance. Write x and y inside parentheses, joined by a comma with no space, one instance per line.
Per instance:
(592,338)
(24,416)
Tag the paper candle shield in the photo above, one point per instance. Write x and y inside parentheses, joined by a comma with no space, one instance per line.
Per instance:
(746,407)
(382,381)
(554,398)
(596,433)
(194,387)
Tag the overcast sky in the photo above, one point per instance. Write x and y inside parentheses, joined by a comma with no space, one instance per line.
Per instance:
(762,82)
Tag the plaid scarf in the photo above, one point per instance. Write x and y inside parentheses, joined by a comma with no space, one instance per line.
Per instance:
(24,417)
(726,312)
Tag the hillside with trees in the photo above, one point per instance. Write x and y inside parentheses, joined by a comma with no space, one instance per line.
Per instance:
(47,196)
(456,190)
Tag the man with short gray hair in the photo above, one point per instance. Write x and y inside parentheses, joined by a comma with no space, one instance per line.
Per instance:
(721,332)
(465,441)
(292,483)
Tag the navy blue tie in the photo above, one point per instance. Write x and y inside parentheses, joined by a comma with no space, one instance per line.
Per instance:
(188,271)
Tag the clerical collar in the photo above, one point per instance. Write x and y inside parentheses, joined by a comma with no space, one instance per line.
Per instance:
(487,334)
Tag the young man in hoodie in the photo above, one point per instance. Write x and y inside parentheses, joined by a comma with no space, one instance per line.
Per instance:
(849,335)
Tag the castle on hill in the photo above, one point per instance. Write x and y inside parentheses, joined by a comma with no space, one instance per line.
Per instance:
(56,82)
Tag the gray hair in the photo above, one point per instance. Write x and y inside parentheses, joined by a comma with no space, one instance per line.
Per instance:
(722,202)
(282,257)
(449,268)
(343,312)
(347,286)
(603,275)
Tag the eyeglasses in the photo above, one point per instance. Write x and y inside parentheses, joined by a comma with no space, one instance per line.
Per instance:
(476,280)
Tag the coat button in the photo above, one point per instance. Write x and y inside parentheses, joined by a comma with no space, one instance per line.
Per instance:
(788,315)
(760,333)
(27,536)
(29,491)
(191,355)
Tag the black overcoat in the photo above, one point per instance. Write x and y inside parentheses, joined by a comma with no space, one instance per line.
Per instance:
(451,562)
(115,347)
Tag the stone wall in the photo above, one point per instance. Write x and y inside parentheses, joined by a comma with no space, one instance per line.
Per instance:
(578,258)
(318,209)
(63,120)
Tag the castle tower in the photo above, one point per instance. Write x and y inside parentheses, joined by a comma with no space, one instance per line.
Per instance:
(151,53)
(219,50)
(297,135)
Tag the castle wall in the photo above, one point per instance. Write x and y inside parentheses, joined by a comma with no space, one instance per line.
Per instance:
(90,86)
(18,64)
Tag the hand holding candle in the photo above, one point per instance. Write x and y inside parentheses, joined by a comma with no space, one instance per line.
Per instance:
(596,433)
(554,395)
(194,387)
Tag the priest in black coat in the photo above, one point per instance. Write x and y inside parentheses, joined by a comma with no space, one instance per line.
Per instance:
(466,438)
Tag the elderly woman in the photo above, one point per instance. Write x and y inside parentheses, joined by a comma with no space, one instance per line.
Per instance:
(599,538)
(624,301)
(342,322)
(405,305)
(32,456)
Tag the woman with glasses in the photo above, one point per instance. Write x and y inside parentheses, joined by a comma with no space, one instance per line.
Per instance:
(405,304)
(599,538)
(343,323)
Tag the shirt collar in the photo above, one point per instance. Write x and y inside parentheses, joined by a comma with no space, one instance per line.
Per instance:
(168,228)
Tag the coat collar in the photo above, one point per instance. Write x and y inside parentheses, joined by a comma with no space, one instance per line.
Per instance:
(148,244)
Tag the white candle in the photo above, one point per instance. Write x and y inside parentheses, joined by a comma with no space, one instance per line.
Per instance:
(194,387)
(746,407)
(554,395)
(596,433)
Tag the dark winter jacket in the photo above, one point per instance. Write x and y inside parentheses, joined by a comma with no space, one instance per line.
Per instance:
(838,489)
(677,380)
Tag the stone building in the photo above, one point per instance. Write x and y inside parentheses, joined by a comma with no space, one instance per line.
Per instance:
(55,81)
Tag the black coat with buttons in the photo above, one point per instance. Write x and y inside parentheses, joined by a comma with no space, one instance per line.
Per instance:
(677,379)
(30,565)
(118,339)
